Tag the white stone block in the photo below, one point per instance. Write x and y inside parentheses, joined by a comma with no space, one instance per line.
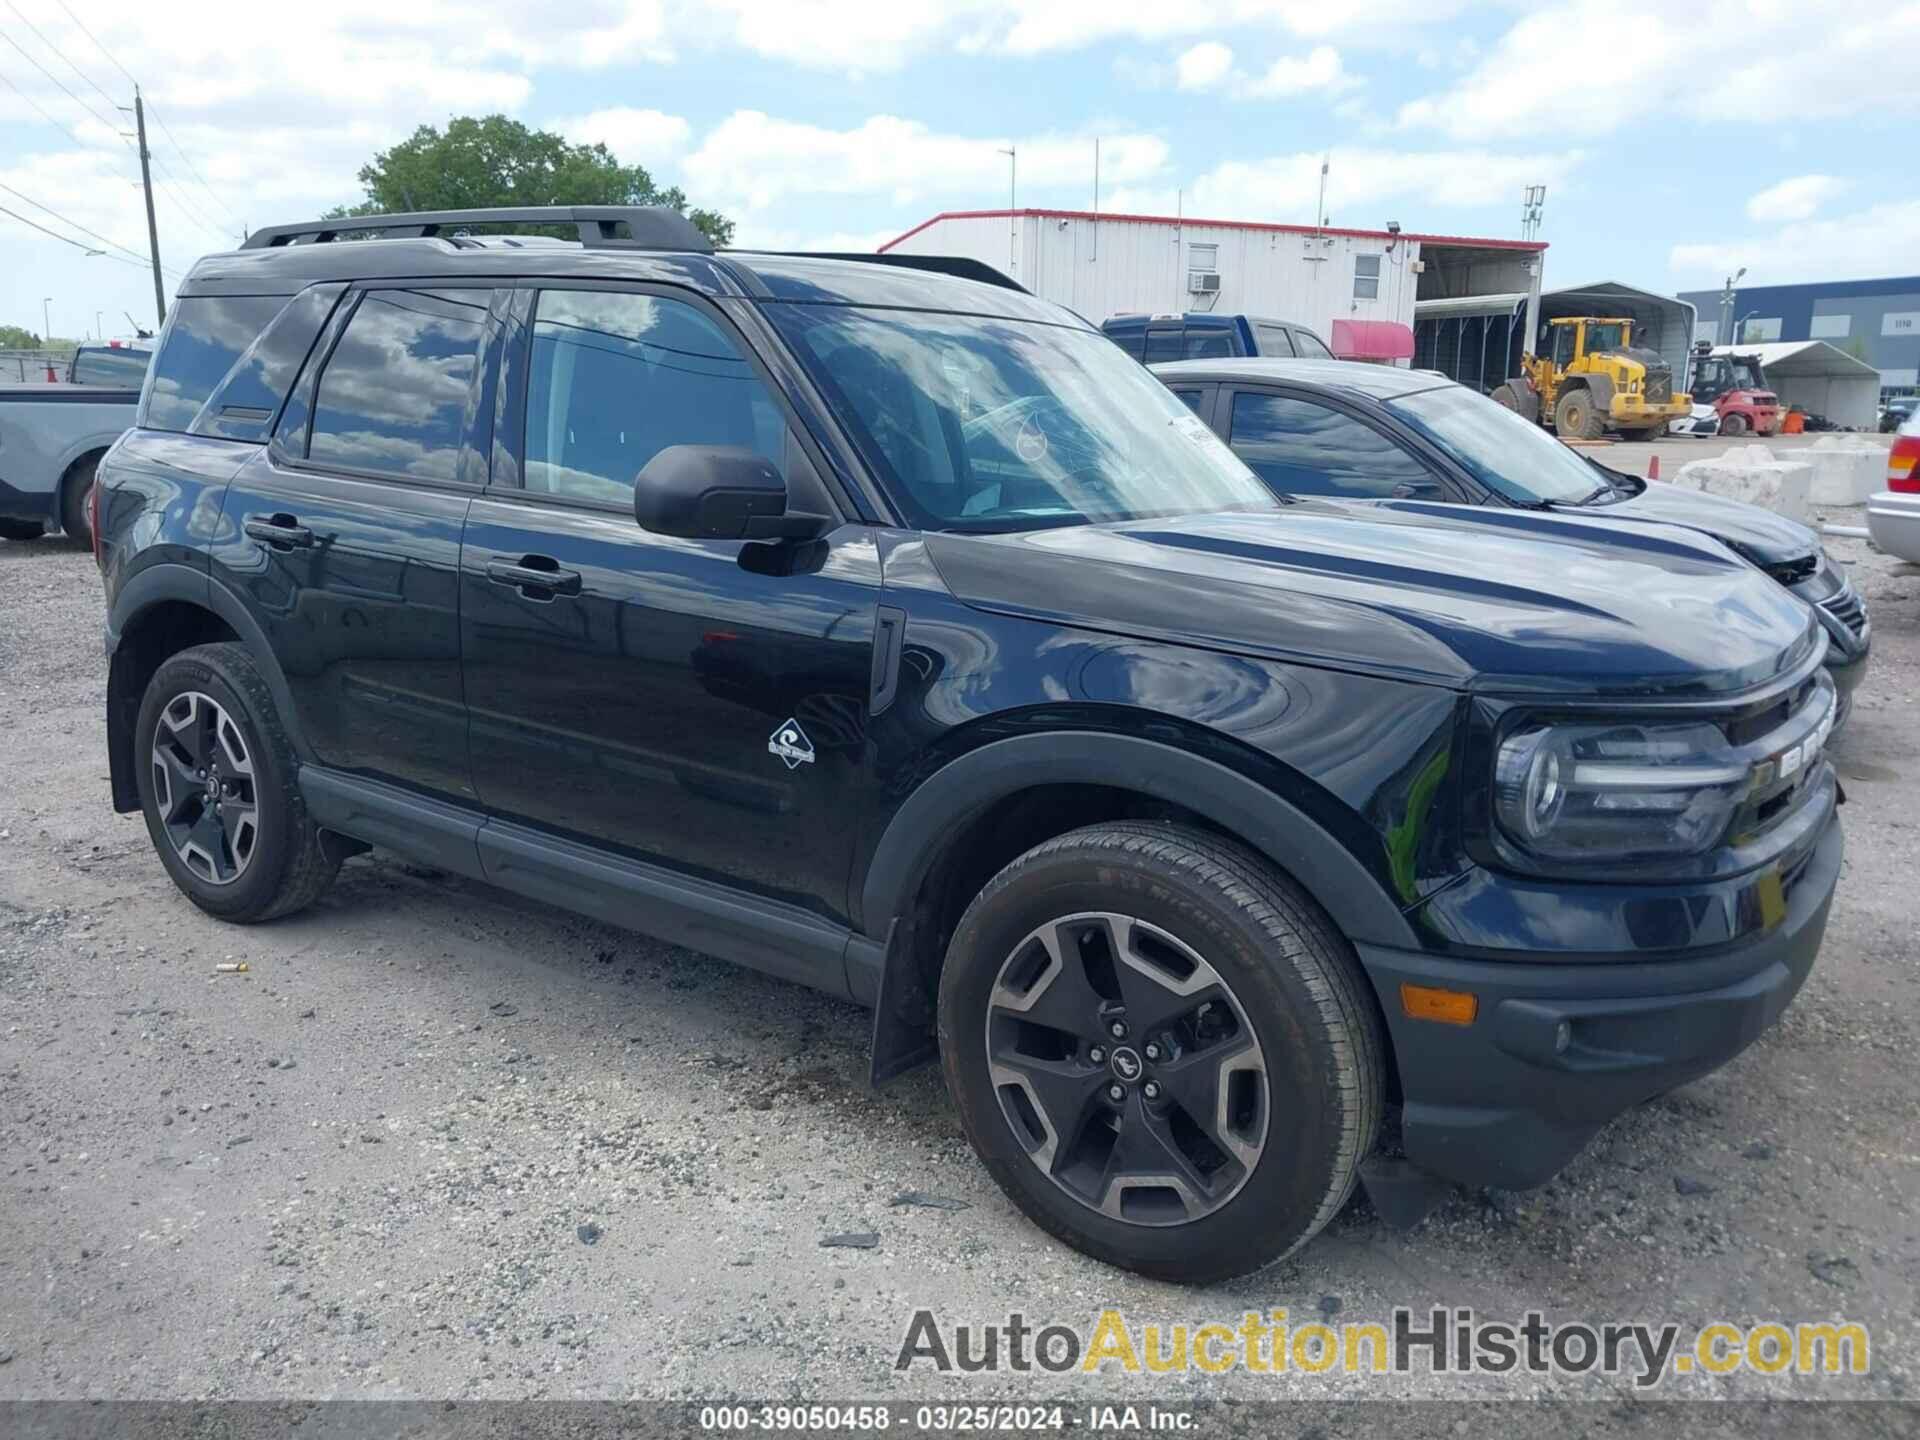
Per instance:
(1845,471)
(1751,473)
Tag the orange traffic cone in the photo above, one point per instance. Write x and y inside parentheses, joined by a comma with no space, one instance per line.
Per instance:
(1653,468)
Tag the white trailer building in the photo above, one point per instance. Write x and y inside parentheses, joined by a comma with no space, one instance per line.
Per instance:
(1106,265)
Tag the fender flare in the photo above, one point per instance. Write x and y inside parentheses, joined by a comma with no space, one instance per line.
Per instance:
(171,580)
(1273,826)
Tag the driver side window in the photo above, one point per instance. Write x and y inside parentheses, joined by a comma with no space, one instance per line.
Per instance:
(618,377)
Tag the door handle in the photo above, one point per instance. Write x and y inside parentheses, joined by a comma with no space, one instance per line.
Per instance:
(540,574)
(278,530)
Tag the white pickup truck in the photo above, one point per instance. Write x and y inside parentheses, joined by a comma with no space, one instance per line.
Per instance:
(53,435)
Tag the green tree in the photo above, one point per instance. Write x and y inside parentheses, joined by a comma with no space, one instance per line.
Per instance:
(490,160)
(12,337)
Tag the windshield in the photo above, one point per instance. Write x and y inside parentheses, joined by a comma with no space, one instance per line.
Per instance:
(1509,455)
(1606,337)
(981,423)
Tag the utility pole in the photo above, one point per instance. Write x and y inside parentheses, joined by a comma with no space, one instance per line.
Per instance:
(153,229)
(1012,152)
(1726,306)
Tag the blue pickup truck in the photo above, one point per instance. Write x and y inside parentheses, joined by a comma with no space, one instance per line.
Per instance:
(1200,335)
(53,435)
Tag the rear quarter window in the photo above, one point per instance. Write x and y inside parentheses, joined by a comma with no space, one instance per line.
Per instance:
(205,335)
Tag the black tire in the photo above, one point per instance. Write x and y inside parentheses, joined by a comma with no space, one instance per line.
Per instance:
(1508,397)
(21,529)
(1733,425)
(286,864)
(75,486)
(1574,417)
(1286,968)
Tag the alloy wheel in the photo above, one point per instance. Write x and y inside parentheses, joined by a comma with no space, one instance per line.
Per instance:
(204,789)
(1127,1069)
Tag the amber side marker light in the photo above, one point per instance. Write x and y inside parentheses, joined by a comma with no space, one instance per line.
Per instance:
(1446,1007)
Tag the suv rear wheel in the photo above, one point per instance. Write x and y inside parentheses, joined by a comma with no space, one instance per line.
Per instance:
(216,779)
(1161,1049)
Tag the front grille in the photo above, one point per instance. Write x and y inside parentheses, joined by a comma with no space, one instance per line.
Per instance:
(1659,386)
(1786,775)
(1847,608)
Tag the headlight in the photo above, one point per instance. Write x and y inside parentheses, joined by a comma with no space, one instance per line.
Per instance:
(1617,792)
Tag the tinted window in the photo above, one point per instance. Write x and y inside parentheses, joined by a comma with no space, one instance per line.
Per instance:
(1273,340)
(1309,345)
(1300,447)
(1513,456)
(1164,345)
(1134,342)
(246,402)
(1208,342)
(618,378)
(123,369)
(393,397)
(205,335)
(1191,399)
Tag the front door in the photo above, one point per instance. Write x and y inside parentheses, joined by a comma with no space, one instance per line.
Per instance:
(696,704)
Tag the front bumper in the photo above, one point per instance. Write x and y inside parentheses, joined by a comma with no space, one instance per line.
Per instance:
(1502,1102)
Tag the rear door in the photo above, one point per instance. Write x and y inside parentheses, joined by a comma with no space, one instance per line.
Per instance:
(342,536)
(696,704)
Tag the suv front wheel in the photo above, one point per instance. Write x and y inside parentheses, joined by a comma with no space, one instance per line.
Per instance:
(216,779)
(1162,1050)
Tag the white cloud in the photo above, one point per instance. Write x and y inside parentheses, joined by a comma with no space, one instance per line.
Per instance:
(755,236)
(1789,60)
(1204,66)
(636,136)
(1794,199)
(1318,70)
(1360,182)
(752,160)
(1881,240)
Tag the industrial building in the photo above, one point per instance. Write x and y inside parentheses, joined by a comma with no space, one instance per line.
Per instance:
(1877,321)
(1103,265)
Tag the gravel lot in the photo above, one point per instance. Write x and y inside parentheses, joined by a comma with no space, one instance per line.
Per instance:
(440,1142)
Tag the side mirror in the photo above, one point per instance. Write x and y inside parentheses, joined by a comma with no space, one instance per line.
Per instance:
(717,492)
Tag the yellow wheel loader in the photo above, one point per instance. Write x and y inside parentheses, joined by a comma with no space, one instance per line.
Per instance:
(1590,378)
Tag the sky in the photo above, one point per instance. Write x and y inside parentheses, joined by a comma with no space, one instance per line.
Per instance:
(1676,143)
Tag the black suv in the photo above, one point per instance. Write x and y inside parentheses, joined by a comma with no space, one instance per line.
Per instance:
(870,622)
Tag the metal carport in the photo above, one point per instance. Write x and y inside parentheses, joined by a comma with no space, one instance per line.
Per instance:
(1476,339)
(1821,379)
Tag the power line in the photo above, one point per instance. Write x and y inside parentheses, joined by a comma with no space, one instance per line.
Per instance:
(61,53)
(96,42)
(179,198)
(113,125)
(76,225)
(44,115)
(69,240)
(192,169)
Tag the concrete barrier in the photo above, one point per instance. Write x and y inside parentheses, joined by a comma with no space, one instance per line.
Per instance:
(1845,471)
(1753,474)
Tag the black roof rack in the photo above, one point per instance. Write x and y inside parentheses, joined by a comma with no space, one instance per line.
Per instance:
(647,227)
(959,266)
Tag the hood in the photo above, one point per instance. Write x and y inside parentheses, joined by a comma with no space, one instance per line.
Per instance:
(1466,597)
(1757,533)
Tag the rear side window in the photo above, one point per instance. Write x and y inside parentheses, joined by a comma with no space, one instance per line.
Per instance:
(246,401)
(1302,448)
(1309,345)
(1165,345)
(1207,342)
(205,335)
(123,369)
(1134,342)
(394,396)
(1274,340)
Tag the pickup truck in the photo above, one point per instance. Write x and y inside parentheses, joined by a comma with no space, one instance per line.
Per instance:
(53,435)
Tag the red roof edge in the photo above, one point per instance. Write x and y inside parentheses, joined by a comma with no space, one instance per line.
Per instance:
(1530,246)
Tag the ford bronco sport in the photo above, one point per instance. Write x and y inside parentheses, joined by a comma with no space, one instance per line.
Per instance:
(870,622)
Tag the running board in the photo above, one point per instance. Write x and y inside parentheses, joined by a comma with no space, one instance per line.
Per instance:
(770,936)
